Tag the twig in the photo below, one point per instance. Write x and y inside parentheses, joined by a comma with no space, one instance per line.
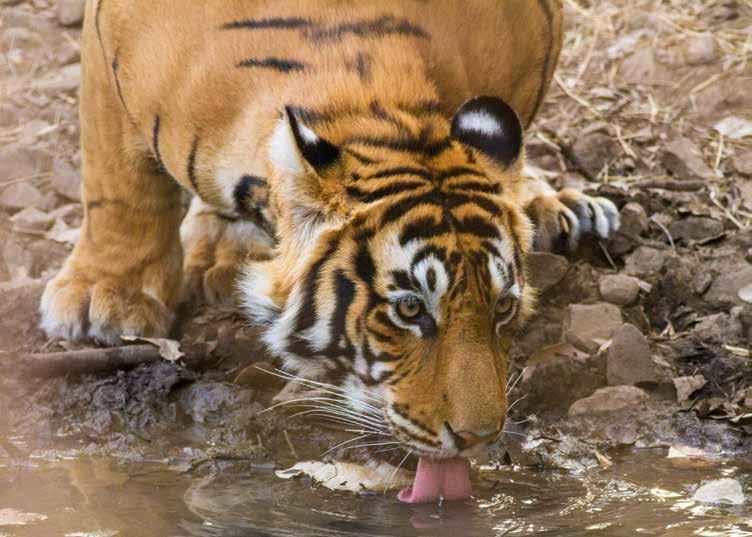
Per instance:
(665,231)
(674,186)
(100,360)
(289,444)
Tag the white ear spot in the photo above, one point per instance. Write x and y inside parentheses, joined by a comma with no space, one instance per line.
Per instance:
(482,122)
(283,153)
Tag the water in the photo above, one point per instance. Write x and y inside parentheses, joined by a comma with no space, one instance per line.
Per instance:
(643,493)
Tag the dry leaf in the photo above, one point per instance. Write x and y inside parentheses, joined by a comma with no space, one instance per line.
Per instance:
(351,477)
(604,461)
(734,128)
(169,349)
(60,232)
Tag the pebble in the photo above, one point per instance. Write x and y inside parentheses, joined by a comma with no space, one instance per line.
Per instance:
(645,261)
(609,399)
(634,219)
(720,328)
(67,79)
(21,196)
(685,160)
(720,491)
(65,180)
(70,12)
(743,163)
(629,359)
(32,219)
(725,288)
(619,289)
(593,151)
(587,326)
(686,386)
(695,228)
(640,67)
(701,50)
(546,270)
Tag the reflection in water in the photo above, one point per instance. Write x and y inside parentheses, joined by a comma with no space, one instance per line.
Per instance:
(642,494)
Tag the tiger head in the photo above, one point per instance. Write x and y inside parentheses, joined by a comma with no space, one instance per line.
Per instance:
(400,276)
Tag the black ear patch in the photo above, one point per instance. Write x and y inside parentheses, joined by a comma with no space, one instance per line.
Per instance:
(318,152)
(489,125)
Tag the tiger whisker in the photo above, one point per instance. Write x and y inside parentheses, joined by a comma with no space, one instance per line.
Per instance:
(394,473)
(337,419)
(345,413)
(517,380)
(518,434)
(325,400)
(372,444)
(345,443)
(517,401)
(316,384)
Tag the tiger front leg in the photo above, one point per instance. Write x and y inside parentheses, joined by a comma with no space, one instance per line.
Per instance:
(562,219)
(123,277)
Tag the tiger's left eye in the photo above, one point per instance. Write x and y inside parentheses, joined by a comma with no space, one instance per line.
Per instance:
(410,308)
(506,307)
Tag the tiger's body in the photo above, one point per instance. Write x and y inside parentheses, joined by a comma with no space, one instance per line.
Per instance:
(385,241)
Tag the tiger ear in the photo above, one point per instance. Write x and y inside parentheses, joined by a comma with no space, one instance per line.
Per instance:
(296,148)
(491,126)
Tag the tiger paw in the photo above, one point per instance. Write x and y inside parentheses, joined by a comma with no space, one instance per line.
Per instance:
(564,219)
(76,306)
(213,285)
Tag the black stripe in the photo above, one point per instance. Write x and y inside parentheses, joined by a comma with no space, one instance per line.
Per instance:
(115,67)
(424,228)
(403,280)
(490,248)
(383,26)
(278,64)
(438,252)
(404,205)
(344,291)
(459,171)
(243,195)
(421,108)
(480,227)
(546,62)
(362,158)
(403,170)
(280,23)
(97,24)
(155,144)
(363,65)
(455,200)
(392,189)
(430,149)
(384,320)
(378,111)
(477,186)
(192,165)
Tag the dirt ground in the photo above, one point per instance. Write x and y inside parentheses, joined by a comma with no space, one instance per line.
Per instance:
(642,342)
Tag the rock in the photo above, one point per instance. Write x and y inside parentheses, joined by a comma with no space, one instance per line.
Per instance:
(593,151)
(21,196)
(608,399)
(725,289)
(695,228)
(65,180)
(685,160)
(620,290)
(260,376)
(645,261)
(634,219)
(70,12)
(743,163)
(720,328)
(66,79)
(629,359)
(686,386)
(700,50)
(587,326)
(17,258)
(31,219)
(19,162)
(557,376)
(640,67)
(546,270)
(720,491)
(734,127)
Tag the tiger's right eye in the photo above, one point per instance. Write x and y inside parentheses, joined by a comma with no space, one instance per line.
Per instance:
(409,308)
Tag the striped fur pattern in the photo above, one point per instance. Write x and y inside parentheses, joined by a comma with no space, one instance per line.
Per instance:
(341,162)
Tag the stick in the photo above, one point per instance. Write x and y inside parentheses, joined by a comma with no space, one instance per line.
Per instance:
(58,364)
(675,186)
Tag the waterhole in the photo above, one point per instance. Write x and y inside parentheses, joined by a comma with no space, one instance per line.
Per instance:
(643,493)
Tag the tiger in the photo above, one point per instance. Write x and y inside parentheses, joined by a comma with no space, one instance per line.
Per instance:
(358,183)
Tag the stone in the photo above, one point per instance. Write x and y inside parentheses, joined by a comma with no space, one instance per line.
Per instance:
(67,79)
(685,160)
(546,270)
(725,288)
(20,196)
(19,162)
(645,261)
(609,399)
(700,50)
(686,386)
(31,219)
(742,164)
(695,228)
(557,376)
(719,328)
(70,12)
(587,326)
(65,180)
(593,151)
(640,67)
(629,359)
(720,491)
(634,219)
(619,289)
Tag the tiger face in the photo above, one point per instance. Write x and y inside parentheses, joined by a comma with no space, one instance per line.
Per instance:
(406,282)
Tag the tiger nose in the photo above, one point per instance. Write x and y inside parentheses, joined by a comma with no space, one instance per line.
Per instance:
(470,439)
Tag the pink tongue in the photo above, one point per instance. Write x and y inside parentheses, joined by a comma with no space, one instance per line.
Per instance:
(448,479)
